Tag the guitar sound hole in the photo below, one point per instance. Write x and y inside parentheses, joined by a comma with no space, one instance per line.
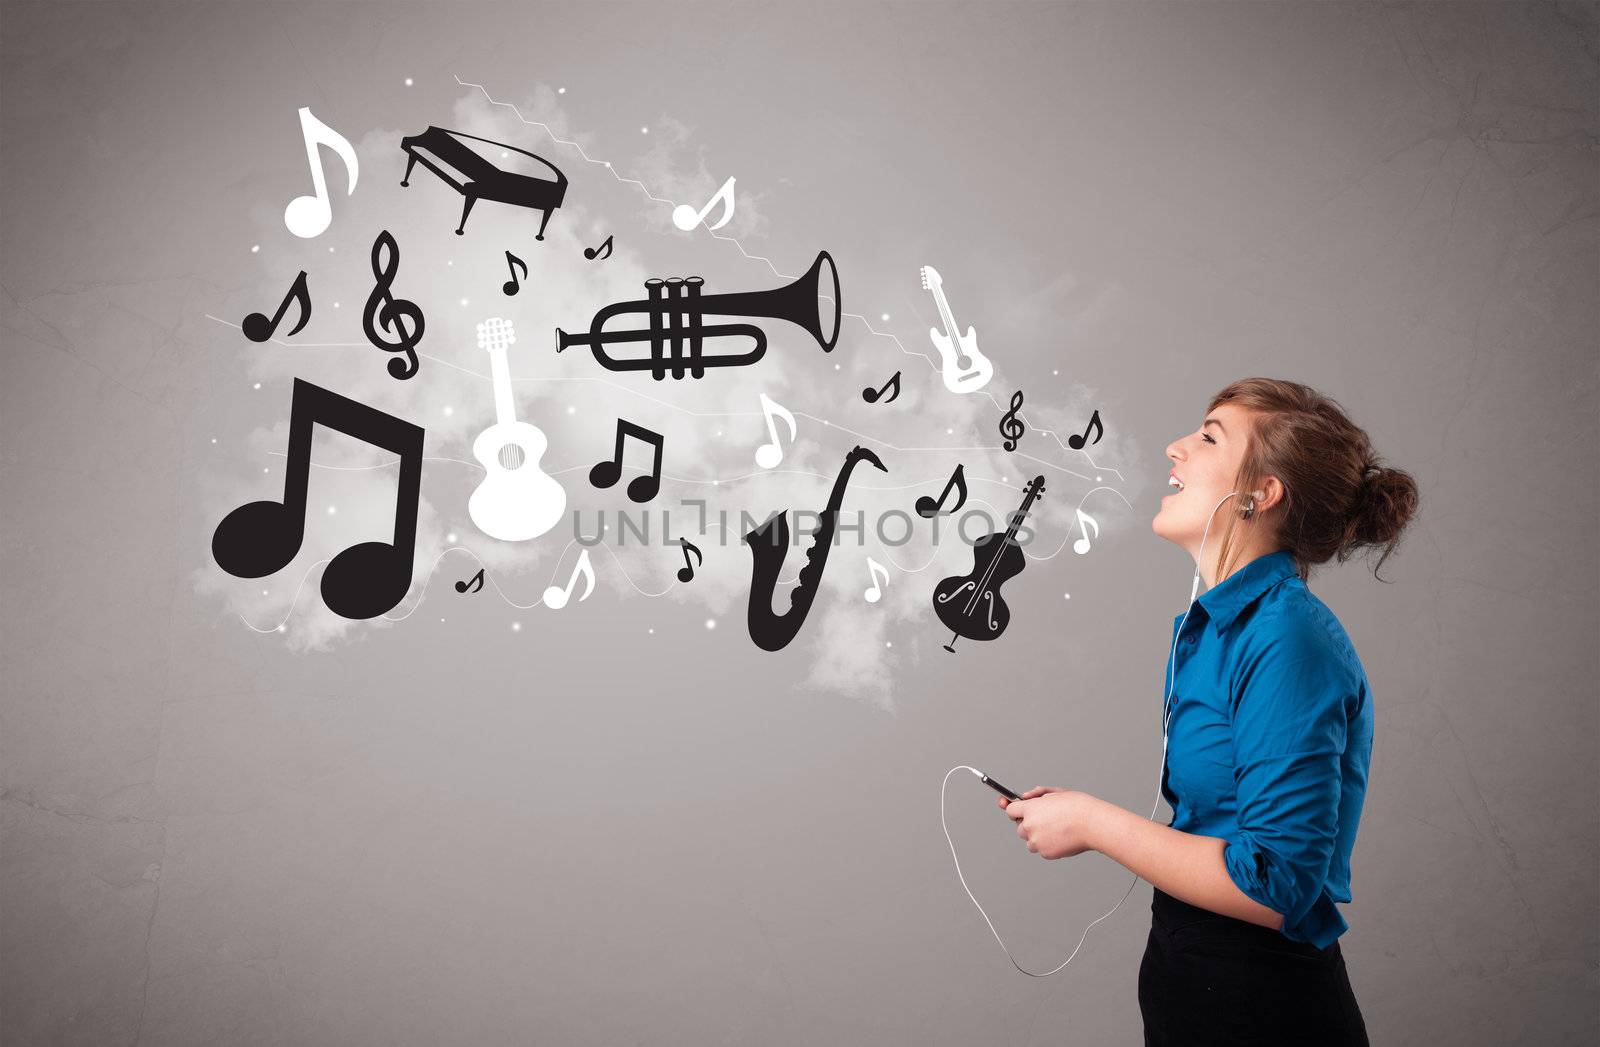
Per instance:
(511,457)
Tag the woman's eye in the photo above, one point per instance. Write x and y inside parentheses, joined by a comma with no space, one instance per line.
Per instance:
(1207,438)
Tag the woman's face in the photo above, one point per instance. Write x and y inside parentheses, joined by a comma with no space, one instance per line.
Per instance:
(1205,463)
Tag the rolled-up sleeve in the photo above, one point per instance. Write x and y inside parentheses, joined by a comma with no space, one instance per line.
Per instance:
(1294,698)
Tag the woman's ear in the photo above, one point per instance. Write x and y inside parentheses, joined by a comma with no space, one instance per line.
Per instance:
(1268,494)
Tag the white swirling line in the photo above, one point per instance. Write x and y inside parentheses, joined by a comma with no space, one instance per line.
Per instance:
(432,570)
(768,263)
(715,482)
(878,441)
(432,573)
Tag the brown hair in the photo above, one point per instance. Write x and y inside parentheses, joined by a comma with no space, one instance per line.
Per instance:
(1339,498)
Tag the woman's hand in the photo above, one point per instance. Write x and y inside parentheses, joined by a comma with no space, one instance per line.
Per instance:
(1054,822)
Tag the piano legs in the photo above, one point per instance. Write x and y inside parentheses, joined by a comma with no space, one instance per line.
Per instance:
(465,210)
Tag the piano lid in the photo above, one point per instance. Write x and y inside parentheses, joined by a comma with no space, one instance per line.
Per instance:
(506,158)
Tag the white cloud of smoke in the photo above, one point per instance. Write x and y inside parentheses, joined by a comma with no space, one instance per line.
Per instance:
(711,426)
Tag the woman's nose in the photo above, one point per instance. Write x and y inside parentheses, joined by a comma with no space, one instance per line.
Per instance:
(1174,450)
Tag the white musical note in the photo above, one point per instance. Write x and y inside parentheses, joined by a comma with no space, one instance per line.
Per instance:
(556,597)
(1085,521)
(308,216)
(685,217)
(874,568)
(769,455)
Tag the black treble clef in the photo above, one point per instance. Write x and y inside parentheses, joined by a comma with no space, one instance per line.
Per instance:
(1011,427)
(392,314)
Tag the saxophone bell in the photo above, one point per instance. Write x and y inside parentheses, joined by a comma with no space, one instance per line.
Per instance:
(769,544)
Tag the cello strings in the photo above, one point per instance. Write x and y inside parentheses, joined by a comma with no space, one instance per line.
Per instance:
(994,563)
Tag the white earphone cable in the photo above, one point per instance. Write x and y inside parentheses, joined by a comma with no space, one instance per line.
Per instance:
(1166,716)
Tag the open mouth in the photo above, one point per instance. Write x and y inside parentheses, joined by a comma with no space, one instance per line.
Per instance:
(1175,483)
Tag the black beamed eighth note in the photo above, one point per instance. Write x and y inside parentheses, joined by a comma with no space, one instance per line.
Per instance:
(1076,442)
(602,252)
(927,508)
(892,387)
(258,328)
(640,488)
(511,286)
(261,538)
(686,572)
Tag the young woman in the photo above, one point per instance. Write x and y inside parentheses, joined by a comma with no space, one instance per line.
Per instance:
(1267,730)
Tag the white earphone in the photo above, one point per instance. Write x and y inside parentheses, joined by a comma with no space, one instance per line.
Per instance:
(1246,511)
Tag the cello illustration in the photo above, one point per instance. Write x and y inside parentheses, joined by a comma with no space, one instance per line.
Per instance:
(970,604)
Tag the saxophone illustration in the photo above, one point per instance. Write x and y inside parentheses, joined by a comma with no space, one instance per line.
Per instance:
(769,544)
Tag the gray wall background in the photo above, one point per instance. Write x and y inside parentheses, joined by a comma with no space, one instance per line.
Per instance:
(435,835)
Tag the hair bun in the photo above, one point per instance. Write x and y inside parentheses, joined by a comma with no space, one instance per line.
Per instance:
(1385,502)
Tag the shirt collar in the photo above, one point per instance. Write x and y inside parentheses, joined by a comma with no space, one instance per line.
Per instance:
(1227,600)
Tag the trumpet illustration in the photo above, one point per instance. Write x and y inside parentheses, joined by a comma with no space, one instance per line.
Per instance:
(677,333)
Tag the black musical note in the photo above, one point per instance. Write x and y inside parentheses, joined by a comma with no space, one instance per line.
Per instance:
(511,286)
(591,252)
(927,508)
(472,584)
(1076,442)
(607,473)
(892,386)
(392,313)
(686,572)
(260,538)
(258,328)
(1011,426)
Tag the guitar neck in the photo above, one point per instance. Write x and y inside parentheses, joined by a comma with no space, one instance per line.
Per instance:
(505,407)
(945,316)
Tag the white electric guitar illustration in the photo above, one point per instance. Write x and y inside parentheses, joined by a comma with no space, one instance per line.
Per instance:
(516,500)
(965,371)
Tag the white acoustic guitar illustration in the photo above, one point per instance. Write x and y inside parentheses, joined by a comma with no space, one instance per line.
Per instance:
(965,371)
(516,500)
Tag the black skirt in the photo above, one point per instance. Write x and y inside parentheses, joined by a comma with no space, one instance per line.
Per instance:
(1212,979)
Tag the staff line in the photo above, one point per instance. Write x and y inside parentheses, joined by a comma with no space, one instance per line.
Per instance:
(679,479)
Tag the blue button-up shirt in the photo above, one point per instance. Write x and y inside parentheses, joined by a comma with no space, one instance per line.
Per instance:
(1269,741)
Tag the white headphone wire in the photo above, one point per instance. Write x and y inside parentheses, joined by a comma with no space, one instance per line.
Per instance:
(1165,719)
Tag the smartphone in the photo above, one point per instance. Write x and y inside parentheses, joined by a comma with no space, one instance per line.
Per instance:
(997,787)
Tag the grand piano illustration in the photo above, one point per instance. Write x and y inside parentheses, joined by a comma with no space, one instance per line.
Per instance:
(479,169)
